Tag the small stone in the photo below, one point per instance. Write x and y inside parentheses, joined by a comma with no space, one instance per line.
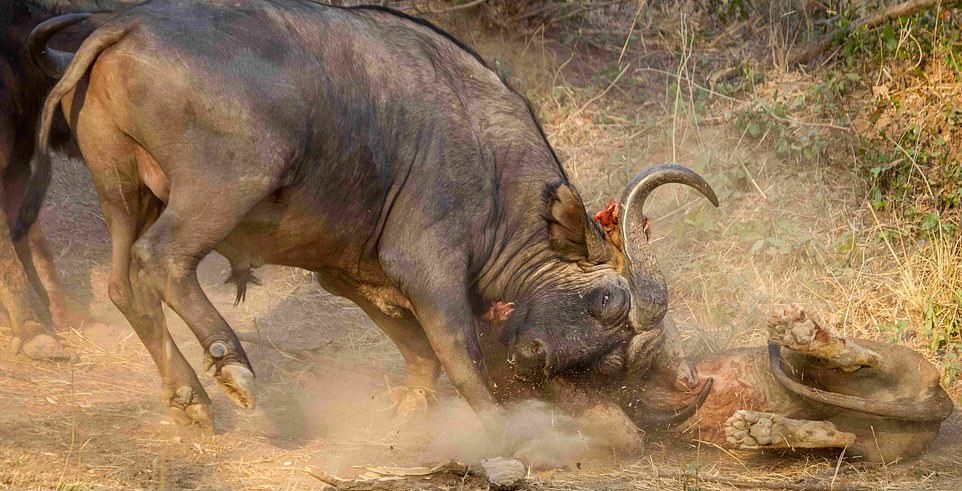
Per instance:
(749,442)
(503,473)
(741,424)
(750,416)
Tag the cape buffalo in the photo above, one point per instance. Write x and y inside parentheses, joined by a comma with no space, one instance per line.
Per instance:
(30,289)
(881,402)
(379,152)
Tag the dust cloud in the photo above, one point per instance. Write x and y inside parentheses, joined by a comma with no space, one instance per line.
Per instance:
(351,411)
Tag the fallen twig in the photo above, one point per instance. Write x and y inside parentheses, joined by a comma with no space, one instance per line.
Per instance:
(391,476)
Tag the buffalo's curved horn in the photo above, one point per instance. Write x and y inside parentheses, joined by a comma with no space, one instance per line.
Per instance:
(51,61)
(936,408)
(637,191)
(649,293)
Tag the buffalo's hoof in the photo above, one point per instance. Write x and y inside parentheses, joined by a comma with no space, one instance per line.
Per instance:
(751,430)
(792,328)
(411,402)
(42,347)
(188,407)
(238,382)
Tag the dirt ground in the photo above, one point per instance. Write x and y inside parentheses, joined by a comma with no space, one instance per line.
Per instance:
(98,422)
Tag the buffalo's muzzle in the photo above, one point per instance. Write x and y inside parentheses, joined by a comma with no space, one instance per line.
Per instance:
(530,361)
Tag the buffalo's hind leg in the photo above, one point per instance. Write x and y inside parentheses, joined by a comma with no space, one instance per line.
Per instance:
(752,430)
(793,328)
(24,306)
(186,398)
(189,228)
(128,210)
(20,299)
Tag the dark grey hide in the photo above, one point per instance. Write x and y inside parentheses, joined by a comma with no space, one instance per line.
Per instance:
(369,147)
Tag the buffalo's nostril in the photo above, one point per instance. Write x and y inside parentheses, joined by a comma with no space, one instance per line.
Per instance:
(536,347)
(531,359)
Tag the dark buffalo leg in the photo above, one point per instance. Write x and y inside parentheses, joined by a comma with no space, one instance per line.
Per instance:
(189,228)
(422,365)
(141,305)
(420,361)
(55,309)
(435,283)
(128,210)
(21,303)
(450,327)
(24,306)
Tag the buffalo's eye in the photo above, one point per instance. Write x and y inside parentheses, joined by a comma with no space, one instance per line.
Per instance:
(608,305)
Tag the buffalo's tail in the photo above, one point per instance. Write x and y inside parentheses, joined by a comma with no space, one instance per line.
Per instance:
(40,171)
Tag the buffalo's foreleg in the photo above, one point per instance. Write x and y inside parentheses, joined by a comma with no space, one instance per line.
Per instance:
(21,301)
(18,299)
(438,289)
(792,328)
(752,430)
(58,310)
(423,367)
(450,327)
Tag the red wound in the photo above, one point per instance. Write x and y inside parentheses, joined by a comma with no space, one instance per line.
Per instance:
(608,217)
(499,311)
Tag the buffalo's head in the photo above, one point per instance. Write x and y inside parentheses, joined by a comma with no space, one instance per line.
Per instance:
(596,310)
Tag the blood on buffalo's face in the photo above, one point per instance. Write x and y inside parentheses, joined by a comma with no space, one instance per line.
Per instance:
(595,309)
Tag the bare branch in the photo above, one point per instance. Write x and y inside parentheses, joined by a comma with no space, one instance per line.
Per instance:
(903,9)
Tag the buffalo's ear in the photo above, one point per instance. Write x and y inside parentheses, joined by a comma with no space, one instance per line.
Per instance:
(570,232)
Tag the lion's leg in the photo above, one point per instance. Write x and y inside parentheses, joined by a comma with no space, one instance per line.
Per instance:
(752,430)
(792,328)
